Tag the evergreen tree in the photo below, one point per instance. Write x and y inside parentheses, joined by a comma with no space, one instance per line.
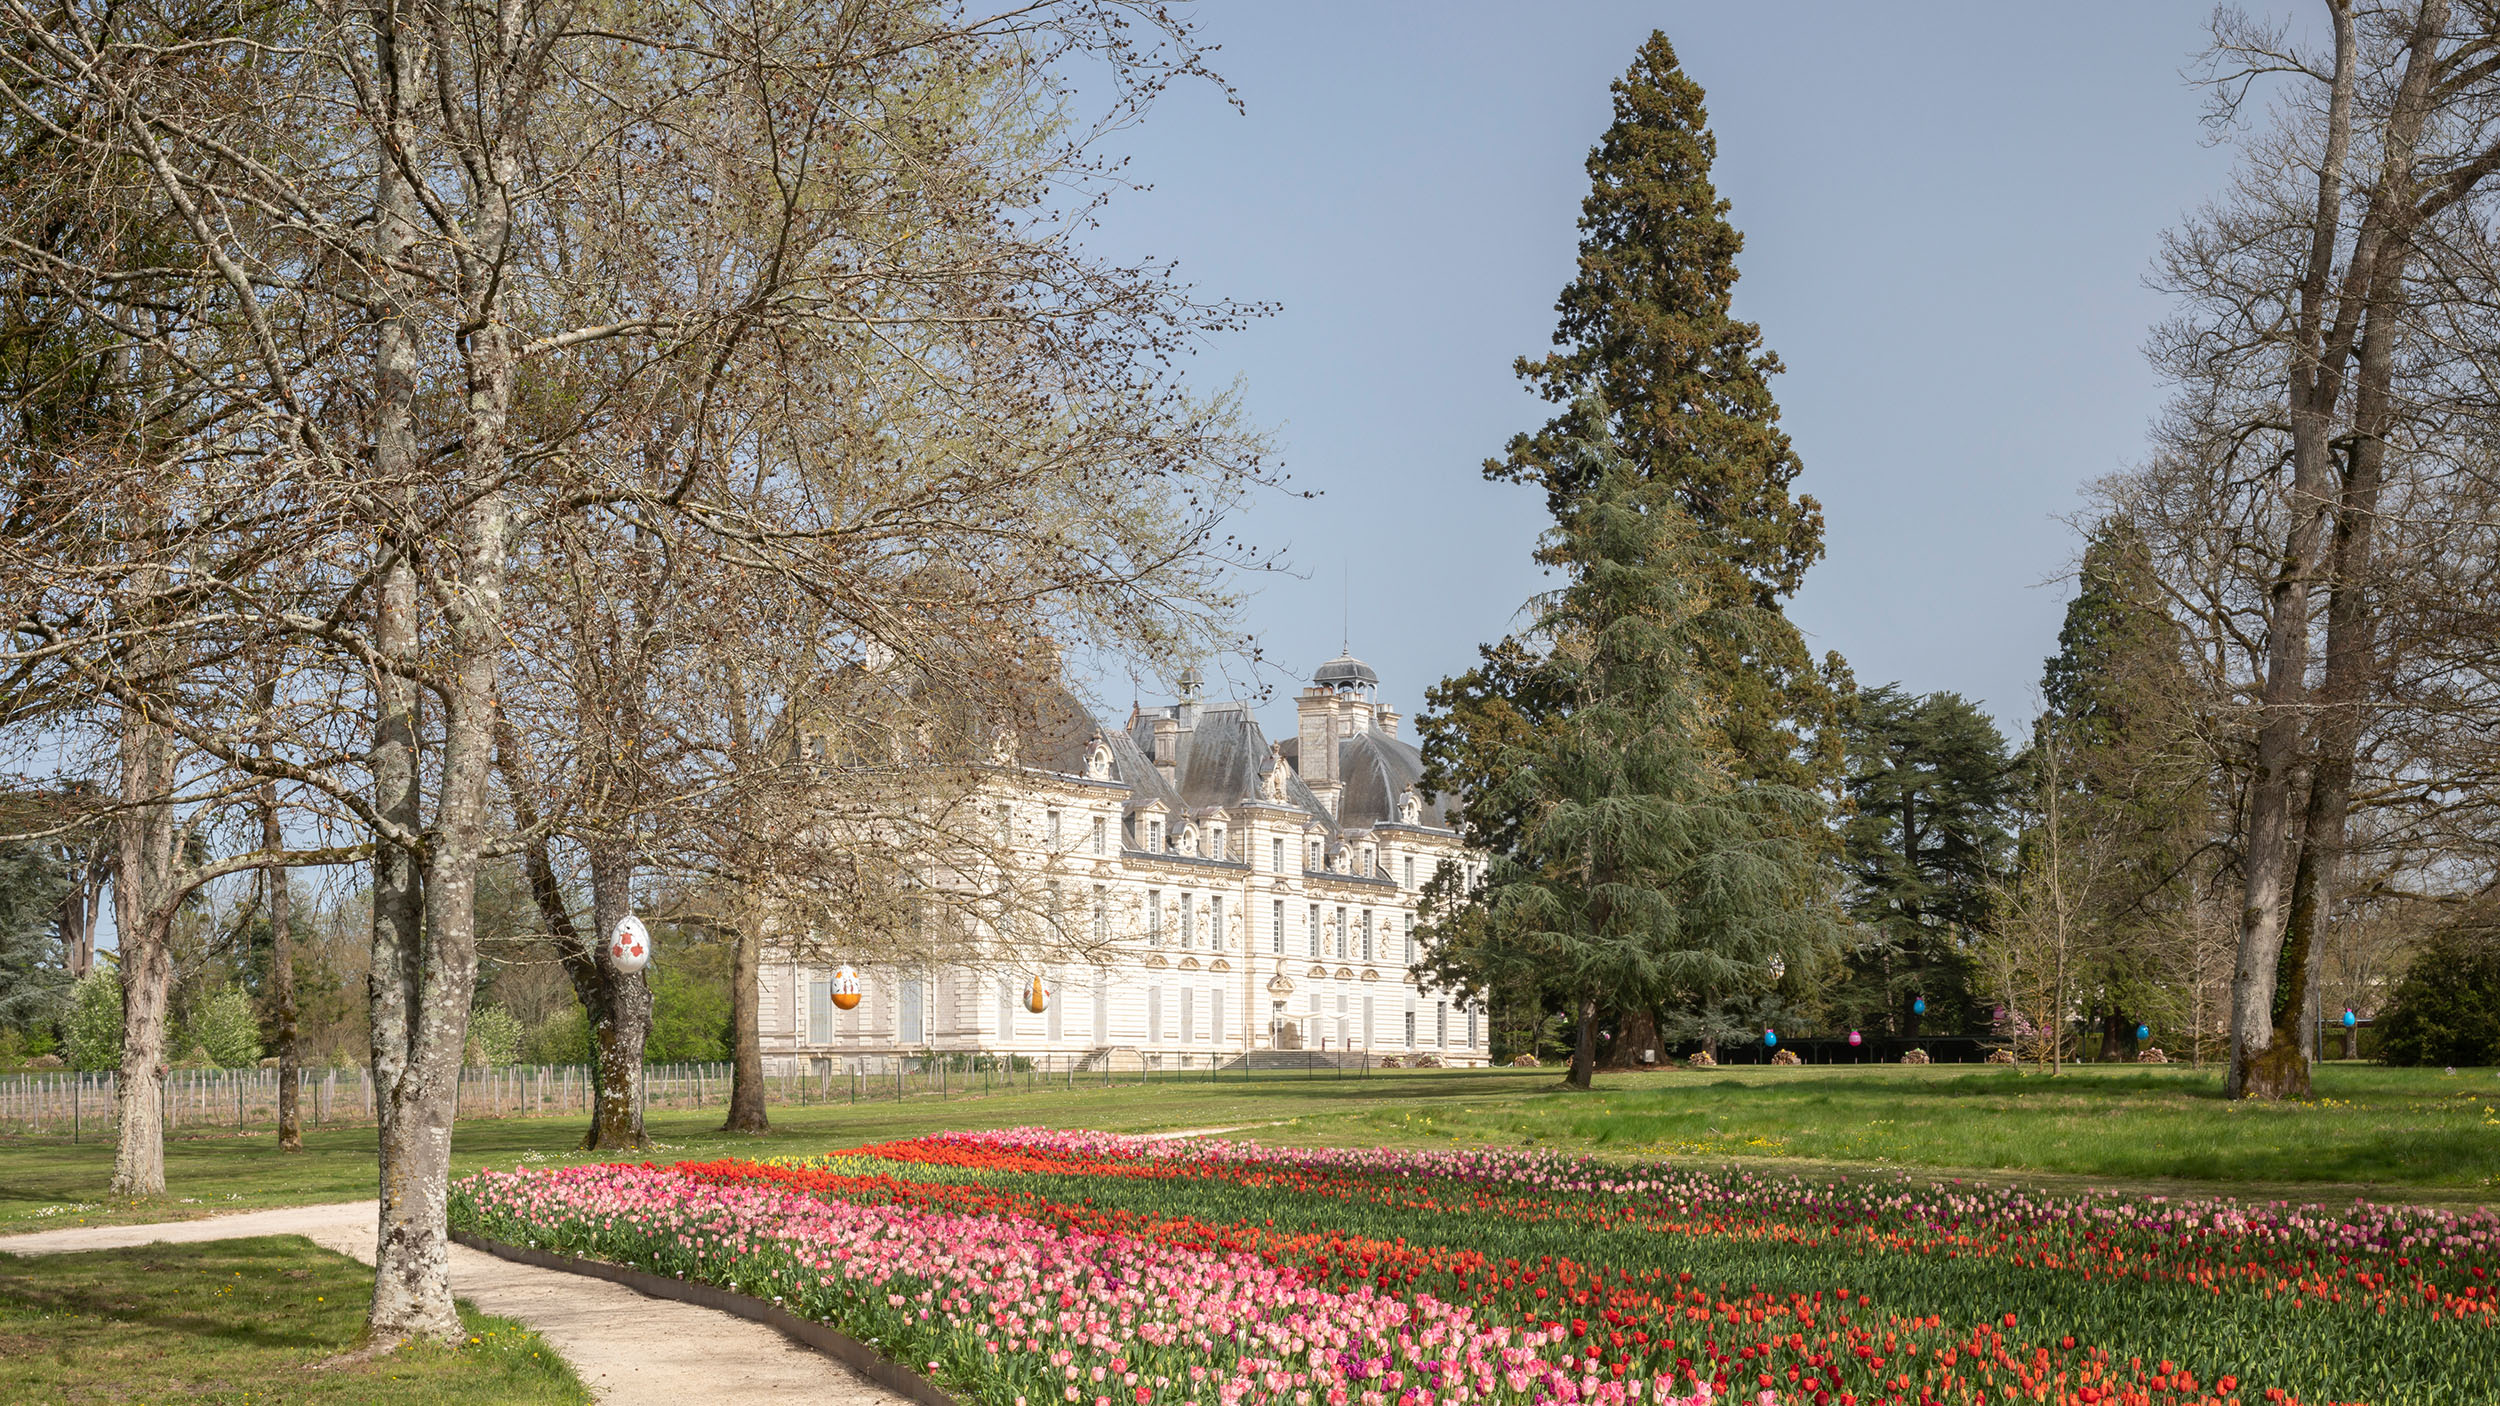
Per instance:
(1642,867)
(1931,787)
(2137,771)
(1646,333)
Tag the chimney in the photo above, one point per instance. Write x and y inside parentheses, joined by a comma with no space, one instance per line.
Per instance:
(1388,720)
(1167,745)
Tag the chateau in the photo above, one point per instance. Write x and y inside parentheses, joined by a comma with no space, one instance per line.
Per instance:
(1242,896)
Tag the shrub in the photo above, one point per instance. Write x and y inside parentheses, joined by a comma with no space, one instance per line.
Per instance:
(2446,1010)
(93,1031)
(495,1037)
(689,1016)
(224,1029)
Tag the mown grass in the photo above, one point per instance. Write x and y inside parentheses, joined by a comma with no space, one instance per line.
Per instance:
(2367,1128)
(241,1321)
(2403,1134)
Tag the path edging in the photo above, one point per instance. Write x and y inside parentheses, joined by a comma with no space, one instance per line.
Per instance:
(806,1332)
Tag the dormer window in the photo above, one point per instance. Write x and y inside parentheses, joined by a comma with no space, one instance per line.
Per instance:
(1215,842)
(1154,836)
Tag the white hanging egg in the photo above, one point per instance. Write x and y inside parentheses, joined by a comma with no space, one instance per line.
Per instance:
(845,987)
(629,947)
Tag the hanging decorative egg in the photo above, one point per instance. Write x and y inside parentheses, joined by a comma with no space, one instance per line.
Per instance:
(1770,1037)
(1918,1006)
(629,947)
(1036,999)
(2349,1021)
(1854,1038)
(2144,1032)
(845,988)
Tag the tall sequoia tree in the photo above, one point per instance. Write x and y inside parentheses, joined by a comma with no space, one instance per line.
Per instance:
(1649,359)
(1646,332)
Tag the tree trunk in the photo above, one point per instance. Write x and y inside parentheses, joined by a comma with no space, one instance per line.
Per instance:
(282,979)
(1636,1032)
(143,879)
(746,989)
(2315,385)
(620,1013)
(411,1273)
(1583,1072)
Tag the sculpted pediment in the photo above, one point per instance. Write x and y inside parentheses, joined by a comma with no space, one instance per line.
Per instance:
(1189,964)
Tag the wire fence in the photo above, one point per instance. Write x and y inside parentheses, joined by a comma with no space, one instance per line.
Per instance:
(200,1101)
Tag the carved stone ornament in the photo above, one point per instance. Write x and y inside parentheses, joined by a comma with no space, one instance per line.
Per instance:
(1410,807)
(1189,964)
(1098,760)
(1319,973)
(1187,840)
(1003,748)
(1280,985)
(1274,784)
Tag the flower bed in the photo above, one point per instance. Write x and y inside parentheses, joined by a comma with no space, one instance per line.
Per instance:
(1032,1266)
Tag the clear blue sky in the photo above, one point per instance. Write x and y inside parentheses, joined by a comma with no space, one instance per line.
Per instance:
(1949,213)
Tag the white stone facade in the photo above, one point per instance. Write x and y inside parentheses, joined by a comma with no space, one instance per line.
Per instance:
(1230,899)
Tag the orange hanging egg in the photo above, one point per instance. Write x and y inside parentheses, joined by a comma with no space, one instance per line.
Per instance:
(1036,999)
(845,987)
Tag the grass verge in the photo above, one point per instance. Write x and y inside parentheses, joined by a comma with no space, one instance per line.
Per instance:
(2386,1133)
(241,1321)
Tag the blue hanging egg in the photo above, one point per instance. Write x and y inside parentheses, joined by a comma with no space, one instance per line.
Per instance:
(1770,1037)
(2349,1022)
(1919,1006)
(2143,1032)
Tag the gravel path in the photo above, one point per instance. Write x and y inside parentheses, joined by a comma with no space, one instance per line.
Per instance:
(628,1349)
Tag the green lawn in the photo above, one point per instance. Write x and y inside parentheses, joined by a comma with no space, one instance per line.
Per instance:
(240,1321)
(2404,1134)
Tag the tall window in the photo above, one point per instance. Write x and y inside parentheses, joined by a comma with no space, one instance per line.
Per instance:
(1367,934)
(1215,1014)
(1276,935)
(1006,1008)
(1410,1027)
(1189,919)
(1410,871)
(1314,930)
(1189,1013)
(1441,1023)
(1314,864)
(1278,863)
(1051,1022)
(1471,1027)
(1154,1013)
(1102,914)
(1215,922)
(1344,936)
(913,1032)
(1050,822)
(820,1011)
(1154,917)
(1215,842)
(1006,826)
(1102,1005)
(1100,830)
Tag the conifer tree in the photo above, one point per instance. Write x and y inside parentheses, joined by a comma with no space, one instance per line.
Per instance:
(1643,868)
(1931,789)
(2119,694)
(1646,332)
